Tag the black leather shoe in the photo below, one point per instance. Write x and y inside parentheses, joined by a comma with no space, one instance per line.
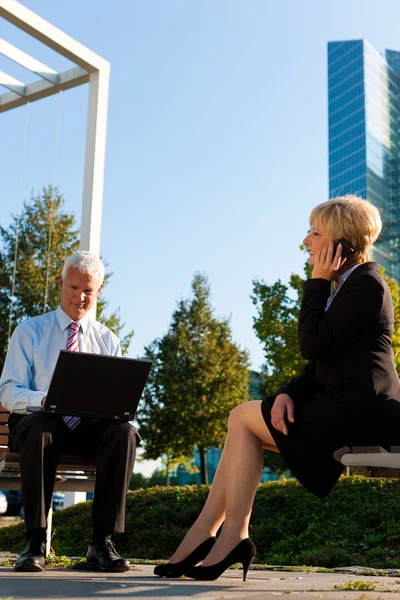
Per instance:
(103,556)
(33,557)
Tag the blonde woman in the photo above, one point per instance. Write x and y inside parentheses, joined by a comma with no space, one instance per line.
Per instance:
(347,395)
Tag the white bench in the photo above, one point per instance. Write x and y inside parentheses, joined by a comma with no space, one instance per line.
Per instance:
(372,461)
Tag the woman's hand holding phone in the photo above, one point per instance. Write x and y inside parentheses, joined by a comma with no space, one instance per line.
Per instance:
(326,262)
(283,408)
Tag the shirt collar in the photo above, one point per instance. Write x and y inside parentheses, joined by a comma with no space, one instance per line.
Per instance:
(346,274)
(64,320)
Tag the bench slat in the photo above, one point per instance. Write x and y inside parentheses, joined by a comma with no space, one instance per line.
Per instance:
(67,462)
(13,482)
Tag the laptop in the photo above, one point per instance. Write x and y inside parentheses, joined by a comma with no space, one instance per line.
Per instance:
(96,386)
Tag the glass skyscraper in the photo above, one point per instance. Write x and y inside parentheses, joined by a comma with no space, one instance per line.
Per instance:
(364,136)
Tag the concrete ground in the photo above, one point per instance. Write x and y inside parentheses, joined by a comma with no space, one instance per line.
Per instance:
(140,584)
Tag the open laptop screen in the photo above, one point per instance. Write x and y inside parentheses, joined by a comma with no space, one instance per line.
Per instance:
(97,385)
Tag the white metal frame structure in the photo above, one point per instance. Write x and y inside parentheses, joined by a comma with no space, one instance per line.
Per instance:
(91,69)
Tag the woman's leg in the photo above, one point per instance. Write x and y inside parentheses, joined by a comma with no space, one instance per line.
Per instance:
(235,483)
(210,518)
(247,433)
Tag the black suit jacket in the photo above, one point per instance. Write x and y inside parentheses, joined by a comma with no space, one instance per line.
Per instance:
(349,346)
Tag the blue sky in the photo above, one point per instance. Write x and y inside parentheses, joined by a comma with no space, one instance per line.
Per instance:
(216,147)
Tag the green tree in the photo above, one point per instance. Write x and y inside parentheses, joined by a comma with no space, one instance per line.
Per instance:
(199,374)
(278,309)
(113,321)
(161,477)
(138,481)
(4,317)
(158,477)
(276,322)
(395,291)
(32,252)
(34,248)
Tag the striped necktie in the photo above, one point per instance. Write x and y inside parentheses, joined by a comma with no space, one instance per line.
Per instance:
(72,346)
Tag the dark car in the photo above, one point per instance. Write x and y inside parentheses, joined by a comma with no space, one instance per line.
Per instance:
(14,499)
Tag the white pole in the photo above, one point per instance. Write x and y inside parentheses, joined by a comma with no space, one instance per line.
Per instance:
(94,161)
(93,184)
(49,528)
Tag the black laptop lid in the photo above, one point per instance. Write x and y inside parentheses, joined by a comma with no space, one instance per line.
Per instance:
(96,385)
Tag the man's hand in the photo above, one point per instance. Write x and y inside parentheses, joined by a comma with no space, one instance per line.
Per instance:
(43,400)
(325,264)
(283,407)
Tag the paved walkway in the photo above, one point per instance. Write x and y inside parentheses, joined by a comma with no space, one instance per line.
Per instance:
(140,584)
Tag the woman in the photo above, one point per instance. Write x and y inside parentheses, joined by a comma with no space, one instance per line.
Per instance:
(347,395)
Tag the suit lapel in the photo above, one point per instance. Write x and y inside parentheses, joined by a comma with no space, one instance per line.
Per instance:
(368,266)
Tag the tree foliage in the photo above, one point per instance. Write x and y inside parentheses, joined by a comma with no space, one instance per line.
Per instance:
(45,235)
(32,252)
(158,477)
(278,308)
(113,321)
(199,374)
(276,323)
(4,317)
(395,291)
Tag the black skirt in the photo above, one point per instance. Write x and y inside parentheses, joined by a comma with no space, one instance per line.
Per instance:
(320,427)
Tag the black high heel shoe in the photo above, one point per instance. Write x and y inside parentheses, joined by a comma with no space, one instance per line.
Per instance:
(178,569)
(243,553)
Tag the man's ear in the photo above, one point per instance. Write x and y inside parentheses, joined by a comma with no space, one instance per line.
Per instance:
(99,290)
(60,283)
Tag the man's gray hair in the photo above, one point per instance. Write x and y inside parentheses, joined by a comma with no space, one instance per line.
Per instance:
(85,262)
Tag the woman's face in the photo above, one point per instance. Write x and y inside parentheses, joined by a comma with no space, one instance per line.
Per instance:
(315,241)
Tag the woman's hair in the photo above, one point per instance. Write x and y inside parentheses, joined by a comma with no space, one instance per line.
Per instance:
(85,262)
(350,217)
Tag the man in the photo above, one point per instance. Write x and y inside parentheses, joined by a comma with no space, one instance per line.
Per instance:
(41,438)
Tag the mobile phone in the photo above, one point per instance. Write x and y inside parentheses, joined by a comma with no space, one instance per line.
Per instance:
(347,250)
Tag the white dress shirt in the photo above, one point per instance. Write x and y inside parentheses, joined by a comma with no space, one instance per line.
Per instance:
(342,279)
(33,351)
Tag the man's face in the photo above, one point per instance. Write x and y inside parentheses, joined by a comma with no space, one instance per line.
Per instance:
(78,292)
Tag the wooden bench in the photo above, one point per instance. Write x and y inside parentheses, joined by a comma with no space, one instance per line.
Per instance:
(74,473)
(372,461)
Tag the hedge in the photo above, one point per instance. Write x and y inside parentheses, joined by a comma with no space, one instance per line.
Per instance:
(357,524)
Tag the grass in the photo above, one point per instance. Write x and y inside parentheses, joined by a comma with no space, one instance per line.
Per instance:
(359,585)
(357,524)
(63,562)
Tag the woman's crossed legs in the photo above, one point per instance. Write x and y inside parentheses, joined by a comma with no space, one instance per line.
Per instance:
(231,497)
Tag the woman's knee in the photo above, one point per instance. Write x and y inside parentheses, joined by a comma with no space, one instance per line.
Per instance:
(238,415)
(249,415)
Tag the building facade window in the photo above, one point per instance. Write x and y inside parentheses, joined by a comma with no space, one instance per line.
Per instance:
(364,136)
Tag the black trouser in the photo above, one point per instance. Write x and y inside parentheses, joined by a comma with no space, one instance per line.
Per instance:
(41,438)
